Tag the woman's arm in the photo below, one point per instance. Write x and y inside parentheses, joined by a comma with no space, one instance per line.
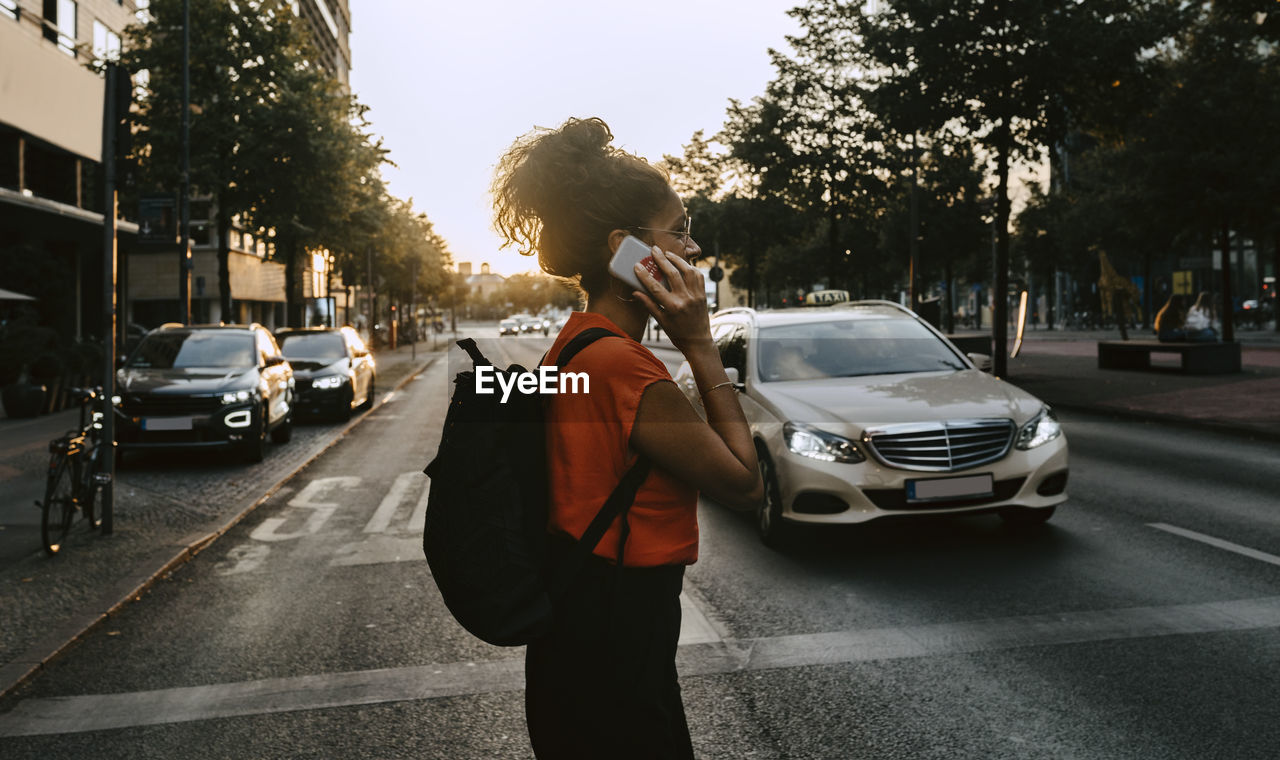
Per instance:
(717,456)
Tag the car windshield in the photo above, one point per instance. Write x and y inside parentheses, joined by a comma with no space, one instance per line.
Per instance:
(849,348)
(175,350)
(320,346)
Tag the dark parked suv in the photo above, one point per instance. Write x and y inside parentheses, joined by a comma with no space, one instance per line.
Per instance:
(205,386)
(333,371)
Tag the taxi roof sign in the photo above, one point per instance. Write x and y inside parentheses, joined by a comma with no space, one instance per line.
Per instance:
(826,297)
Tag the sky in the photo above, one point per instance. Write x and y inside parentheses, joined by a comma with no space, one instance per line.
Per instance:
(451,85)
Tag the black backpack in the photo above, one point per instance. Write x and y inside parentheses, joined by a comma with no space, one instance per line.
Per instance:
(486,528)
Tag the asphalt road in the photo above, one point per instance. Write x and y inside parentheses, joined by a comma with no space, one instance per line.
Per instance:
(1143,622)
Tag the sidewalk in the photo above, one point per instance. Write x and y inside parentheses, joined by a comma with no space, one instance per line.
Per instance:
(161,520)
(1061,368)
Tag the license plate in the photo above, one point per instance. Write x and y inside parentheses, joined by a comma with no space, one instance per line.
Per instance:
(936,489)
(166,423)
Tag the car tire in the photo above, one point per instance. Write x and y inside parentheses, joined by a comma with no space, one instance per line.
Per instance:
(368,397)
(774,531)
(1025,518)
(254,450)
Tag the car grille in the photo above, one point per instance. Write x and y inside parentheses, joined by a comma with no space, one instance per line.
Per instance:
(139,405)
(942,446)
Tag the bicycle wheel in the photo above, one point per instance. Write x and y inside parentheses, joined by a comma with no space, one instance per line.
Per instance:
(58,507)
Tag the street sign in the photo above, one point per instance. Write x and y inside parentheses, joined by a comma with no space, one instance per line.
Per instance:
(158,220)
(823,297)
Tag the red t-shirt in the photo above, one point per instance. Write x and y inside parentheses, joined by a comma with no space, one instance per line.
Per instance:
(588,451)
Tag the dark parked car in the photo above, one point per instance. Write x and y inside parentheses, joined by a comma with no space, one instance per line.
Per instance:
(332,370)
(205,386)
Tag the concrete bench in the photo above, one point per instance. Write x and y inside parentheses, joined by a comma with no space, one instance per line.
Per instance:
(1196,358)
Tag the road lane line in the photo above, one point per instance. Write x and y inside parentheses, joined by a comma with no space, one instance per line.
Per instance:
(1217,542)
(418,520)
(75,714)
(391,502)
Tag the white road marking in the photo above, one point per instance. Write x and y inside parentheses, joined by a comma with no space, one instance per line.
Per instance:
(418,520)
(243,559)
(694,626)
(99,712)
(381,519)
(320,513)
(379,549)
(1217,542)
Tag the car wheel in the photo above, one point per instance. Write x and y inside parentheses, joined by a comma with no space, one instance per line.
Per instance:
(254,450)
(283,433)
(773,530)
(368,397)
(1026,517)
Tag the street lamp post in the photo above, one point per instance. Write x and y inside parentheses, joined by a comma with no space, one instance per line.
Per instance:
(184,200)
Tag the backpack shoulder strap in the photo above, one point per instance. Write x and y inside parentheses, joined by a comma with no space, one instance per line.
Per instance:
(579,342)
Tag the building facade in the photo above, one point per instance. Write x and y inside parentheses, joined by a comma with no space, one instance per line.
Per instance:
(51,196)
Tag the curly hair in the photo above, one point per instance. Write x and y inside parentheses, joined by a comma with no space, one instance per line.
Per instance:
(559,193)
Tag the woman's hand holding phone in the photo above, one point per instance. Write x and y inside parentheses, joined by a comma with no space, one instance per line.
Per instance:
(681,306)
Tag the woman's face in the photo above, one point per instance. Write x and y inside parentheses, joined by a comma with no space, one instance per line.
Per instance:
(667,230)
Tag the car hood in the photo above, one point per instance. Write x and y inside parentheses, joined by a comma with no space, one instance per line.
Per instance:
(185,381)
(849,405)
(304,368)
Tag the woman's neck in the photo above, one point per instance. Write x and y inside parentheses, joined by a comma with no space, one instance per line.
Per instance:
(629,315)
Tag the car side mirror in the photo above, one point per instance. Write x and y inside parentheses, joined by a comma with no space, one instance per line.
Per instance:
(981,361)
(734,377)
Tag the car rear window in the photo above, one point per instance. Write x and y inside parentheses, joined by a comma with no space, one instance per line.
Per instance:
(850,348)
(317,346)
(174,350)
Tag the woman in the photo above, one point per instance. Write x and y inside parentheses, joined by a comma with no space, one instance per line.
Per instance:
(603,683)
(1169,320)
(1199,323)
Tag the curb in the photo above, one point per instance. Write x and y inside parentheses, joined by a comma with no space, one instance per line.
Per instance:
(1226,428)
(164,561)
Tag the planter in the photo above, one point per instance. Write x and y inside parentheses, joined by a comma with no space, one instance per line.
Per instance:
(23,399)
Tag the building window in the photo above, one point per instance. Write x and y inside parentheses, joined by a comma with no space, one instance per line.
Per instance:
(60,24)
(106,43)
(9,8)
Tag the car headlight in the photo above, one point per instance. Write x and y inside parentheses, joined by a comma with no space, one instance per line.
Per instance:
(815,444)
(235,397)
(328,381)
(1042,428)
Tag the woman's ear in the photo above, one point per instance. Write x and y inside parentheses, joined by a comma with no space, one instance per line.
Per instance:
(615,239)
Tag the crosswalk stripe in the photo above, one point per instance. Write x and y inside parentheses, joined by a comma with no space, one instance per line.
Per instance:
(98,712)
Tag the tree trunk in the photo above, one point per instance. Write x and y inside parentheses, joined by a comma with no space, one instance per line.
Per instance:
(222,220)
(287,248)
(1000,299)
(1228,313)
(948,313)
(1147,291)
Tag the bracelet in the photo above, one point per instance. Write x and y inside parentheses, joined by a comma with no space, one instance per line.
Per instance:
(718,385)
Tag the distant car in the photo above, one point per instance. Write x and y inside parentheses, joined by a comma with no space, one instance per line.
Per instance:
(205,386)
(333,370)
(863,410)
(508,327)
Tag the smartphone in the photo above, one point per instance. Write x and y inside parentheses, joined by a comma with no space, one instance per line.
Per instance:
(633,250)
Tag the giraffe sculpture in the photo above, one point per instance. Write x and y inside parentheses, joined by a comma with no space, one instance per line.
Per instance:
(1118,294)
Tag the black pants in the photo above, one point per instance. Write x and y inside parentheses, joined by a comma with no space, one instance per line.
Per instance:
(603,683)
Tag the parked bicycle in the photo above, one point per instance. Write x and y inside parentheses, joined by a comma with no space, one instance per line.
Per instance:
(76,474)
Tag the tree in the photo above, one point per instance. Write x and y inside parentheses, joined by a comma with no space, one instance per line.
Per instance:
(1010,76)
